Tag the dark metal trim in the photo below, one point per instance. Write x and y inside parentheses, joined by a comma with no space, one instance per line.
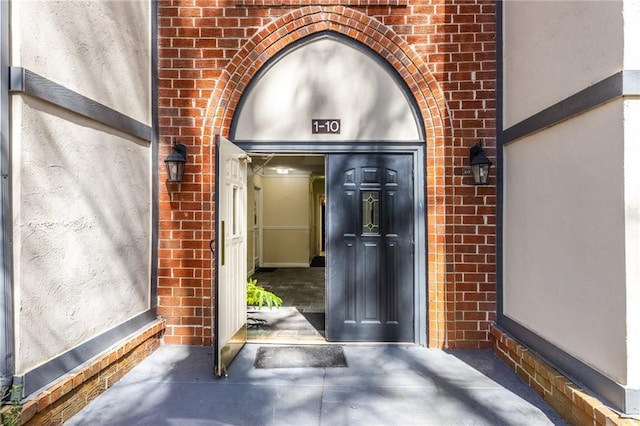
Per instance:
(325,147)
(22,80)
(7,360)
(500,142)
(623,399)
(62,364)
(155,141)
(623,83)
(348,41)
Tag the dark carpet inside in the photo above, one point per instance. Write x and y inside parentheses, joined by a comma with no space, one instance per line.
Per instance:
(266,269)
(318,262)
(297,356)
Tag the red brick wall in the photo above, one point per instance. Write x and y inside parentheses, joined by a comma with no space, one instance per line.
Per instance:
(444,50)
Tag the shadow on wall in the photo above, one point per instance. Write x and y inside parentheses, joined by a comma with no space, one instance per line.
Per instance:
(327,78)
(83,206)
(83,229)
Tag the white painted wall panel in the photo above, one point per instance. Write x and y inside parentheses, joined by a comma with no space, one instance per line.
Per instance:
(632,35)
(82,212)
(554,49)
(100,49)
(326,79)
(632,219)
(564,237)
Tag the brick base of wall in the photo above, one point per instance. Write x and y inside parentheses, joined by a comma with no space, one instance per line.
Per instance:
(69,395)
(574,404)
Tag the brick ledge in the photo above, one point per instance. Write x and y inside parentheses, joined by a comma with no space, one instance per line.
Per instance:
(567,398)
(70,394)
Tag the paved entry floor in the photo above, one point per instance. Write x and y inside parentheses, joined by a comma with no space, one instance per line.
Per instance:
(301,317)
(382,385)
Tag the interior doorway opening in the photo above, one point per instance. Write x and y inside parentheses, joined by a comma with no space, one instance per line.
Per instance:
(288,254)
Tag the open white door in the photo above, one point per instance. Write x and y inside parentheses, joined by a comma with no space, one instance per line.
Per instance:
(231,243)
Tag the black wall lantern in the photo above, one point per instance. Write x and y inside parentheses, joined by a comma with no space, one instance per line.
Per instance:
(480,164)
(175,162)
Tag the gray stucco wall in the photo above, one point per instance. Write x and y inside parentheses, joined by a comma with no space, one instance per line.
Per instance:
(82,198)
(564,238)
(100,49)
(570,206)
(554,49)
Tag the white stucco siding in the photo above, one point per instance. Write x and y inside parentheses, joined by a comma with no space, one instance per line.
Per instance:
(554,49)
(100,49)
(82,220)
(632,34)
(564,237)
(632,218)
(326,79)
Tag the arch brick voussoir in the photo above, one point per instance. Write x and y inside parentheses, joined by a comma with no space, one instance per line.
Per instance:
(300,23)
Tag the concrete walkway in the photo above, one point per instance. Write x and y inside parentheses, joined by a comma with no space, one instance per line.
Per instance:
(382,385)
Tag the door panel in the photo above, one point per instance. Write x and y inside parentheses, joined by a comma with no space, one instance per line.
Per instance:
(370,287)
(231,274)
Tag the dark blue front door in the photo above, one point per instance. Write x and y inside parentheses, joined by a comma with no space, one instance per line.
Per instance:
(370,242)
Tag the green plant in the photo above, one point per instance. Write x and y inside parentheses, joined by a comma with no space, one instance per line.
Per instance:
(258,296)
(11,415)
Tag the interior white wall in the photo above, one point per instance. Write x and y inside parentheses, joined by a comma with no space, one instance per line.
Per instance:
(326,79)
(97,48)
(251,217)
(286,227)
(564,237)
(318,192)
(82,212)
(554,49)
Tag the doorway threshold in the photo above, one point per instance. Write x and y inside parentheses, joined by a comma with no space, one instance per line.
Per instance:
(285,324)
(288,341)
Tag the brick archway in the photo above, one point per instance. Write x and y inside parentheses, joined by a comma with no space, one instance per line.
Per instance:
(300,23)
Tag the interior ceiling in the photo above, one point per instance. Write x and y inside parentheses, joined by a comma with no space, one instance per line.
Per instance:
(295,163)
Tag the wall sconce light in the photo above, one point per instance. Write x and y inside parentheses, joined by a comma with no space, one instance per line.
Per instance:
(175,162)
(480,164)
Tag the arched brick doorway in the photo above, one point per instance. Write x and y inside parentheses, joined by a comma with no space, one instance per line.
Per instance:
(303,22)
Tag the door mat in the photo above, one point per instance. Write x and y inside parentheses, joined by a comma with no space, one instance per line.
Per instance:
(300,356)
(266,269)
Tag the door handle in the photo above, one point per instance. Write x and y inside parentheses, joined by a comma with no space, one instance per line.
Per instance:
(222,243)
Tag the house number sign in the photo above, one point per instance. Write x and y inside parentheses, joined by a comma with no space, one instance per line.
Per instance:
(330,125)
